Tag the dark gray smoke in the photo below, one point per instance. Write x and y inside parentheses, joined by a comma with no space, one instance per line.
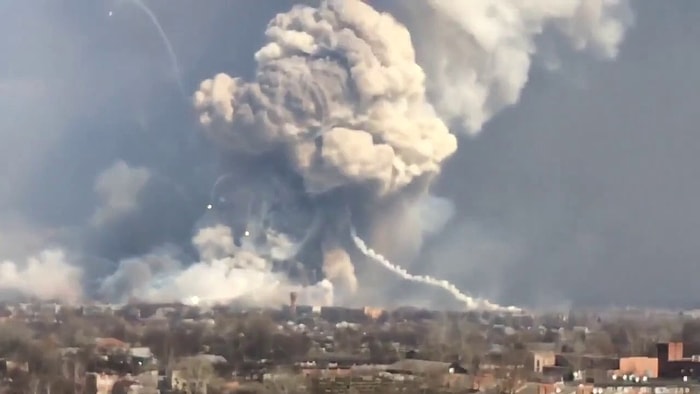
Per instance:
(335,128)
(339,104)
(338,112)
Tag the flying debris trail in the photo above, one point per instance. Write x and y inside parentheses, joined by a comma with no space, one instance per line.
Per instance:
(215,188)
(470,302)
(171,52)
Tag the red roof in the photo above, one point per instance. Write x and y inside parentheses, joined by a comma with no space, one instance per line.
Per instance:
(110,343)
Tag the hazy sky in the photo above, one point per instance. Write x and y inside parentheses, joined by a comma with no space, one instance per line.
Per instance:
(584,192)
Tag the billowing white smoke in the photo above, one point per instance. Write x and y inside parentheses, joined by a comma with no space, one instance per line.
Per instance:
(46,276)
(19,238)
(337,266)
(118,189)
(224,273)
(339,96)
(214,243)
(433,214)
(134,276)
(321,294)
(338,90)
(477,54)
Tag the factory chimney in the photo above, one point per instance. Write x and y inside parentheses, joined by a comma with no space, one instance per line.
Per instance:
(293,303)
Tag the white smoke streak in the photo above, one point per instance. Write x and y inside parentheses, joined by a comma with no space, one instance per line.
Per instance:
(469,302)
(166,41)
(46,276)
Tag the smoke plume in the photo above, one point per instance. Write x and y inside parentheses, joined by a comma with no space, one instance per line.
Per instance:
(225,272)
(478,54)
(118,189)
(336,129)
(339,99)
(47,276)
(337,266)
(327,153)
(338,93)
(339,103)
(214,242)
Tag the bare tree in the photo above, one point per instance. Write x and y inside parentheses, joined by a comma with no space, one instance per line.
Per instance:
(600,343)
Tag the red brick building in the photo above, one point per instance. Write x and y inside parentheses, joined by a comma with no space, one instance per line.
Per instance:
(674,363)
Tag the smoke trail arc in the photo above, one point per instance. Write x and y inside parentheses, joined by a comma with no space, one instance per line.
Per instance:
(278,222)
(469,302)
(213,199)
(166,41)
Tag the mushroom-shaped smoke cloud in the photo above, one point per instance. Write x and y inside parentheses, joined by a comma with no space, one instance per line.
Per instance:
(339,101)
(337,129)
(338,92)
